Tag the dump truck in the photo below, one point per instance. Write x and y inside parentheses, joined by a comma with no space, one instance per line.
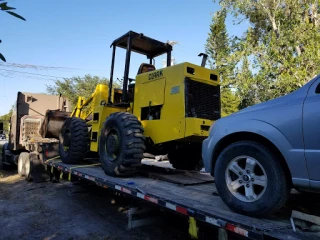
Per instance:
(36,119)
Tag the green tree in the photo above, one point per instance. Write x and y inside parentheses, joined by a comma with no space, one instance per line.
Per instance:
(5,8)
(278,51)
(6,120)
(74,87)
(229,102)
(217,47)
(218,50)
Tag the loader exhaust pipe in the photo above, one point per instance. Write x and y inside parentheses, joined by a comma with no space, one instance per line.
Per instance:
(204,59)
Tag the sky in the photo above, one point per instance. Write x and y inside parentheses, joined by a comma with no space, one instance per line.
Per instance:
(72,38)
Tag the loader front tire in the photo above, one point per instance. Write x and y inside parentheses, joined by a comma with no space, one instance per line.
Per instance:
(74,140)
(121,144)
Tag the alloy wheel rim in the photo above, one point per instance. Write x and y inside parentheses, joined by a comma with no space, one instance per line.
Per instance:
(246,178)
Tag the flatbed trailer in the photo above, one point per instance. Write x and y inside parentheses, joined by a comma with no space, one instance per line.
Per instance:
(199,202)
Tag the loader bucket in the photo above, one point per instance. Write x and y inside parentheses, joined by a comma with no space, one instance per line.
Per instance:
(52,123)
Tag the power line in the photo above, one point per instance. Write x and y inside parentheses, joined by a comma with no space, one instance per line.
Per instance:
(37,78)
(36,67)
(39,67)
(55,78)
(37,74)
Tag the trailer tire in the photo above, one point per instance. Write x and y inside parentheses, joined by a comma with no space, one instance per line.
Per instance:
(250,179)
(23,157)
(28,169)
(29,166)
(121,144)
(74,140)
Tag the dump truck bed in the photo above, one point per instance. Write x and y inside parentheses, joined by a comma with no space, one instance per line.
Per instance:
(190,194)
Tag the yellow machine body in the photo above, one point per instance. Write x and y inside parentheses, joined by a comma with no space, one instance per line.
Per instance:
(165,111)
(95,110)
(163,90)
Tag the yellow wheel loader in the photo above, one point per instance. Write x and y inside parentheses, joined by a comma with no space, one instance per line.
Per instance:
(161,111)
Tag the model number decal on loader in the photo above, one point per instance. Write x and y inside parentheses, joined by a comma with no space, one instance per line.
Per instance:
(155,75)
(175,90)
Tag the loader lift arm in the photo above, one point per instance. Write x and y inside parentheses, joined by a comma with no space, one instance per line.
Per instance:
(78,110)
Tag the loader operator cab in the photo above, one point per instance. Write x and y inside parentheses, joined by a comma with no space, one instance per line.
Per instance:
(144,67)
(138,43)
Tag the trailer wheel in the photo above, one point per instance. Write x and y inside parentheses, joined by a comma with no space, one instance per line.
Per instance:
(74,140)
(29,166)
(250,179)
(121,144)
(186,157)
(23,157)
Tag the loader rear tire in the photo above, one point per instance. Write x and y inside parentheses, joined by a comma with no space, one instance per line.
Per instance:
(74,140)
(121,144)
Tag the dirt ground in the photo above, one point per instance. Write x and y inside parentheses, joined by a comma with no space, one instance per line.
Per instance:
(52,211)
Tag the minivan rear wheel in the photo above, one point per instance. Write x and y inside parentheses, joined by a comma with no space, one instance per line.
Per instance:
(250,179)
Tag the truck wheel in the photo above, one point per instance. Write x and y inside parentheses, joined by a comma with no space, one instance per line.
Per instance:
(29,166)
(23,157)
(187,157)
(74,140)
(121,144)
(250,179)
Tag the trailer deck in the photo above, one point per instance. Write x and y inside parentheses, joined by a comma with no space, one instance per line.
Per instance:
(198,200)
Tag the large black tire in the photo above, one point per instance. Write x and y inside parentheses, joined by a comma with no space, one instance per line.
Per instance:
(186,157)
(121,144)
(260,170)
(74,140)
(29,166)
(22,159)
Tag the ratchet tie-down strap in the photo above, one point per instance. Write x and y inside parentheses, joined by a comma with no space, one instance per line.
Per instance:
(81,166)
(51,160)
(69,175)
